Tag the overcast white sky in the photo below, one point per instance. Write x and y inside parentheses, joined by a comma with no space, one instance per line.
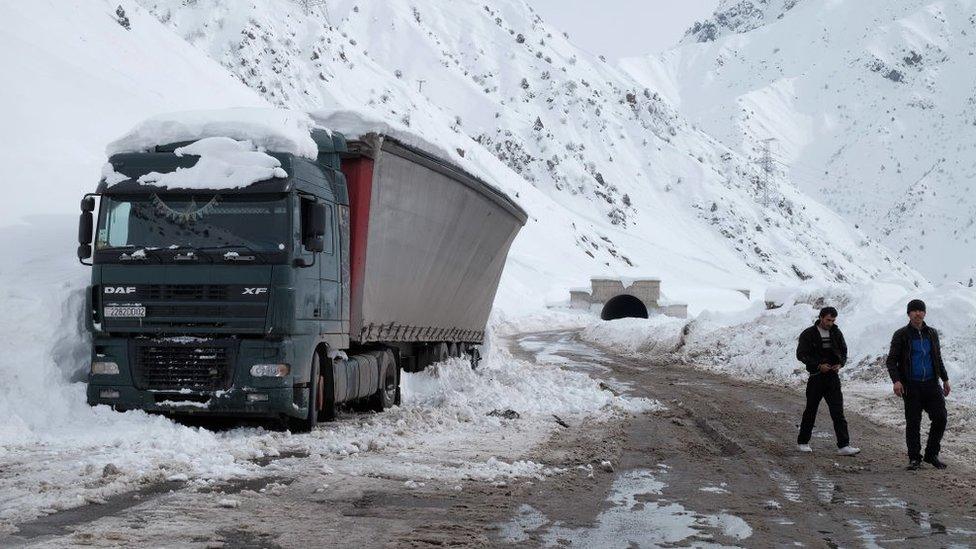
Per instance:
(623,28)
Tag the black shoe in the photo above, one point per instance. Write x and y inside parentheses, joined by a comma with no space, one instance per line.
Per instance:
(935,462)
(914,465)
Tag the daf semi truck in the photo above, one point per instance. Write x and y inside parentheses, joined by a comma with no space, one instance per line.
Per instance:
(284,298)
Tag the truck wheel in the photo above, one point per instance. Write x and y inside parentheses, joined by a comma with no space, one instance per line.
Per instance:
(388,393)
(327,411)
(306,424)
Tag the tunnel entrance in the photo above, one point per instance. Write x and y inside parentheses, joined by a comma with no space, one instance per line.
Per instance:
(623,306)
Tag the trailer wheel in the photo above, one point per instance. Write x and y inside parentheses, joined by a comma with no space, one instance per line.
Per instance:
(388,393)
(306,424)
(475,356)
(440,353)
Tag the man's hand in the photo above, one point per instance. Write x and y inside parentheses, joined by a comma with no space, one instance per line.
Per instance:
(835,367)
(945,388)
(899,389)
(824,368)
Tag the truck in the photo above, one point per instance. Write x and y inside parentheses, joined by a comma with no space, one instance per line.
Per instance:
(282,299)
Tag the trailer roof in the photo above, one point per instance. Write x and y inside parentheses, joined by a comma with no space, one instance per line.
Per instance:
(370,144)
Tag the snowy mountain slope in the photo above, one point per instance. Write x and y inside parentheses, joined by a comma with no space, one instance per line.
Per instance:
(74,79)
(638,190)
(872,104)
(738,16)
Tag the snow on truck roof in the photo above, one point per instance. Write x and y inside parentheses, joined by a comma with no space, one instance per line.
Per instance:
(276,130)
(232,145)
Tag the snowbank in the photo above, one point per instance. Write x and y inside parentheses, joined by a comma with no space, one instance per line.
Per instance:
(760,344)
(278,130)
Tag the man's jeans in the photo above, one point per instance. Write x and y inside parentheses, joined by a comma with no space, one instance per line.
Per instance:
(927,396)
(827,387)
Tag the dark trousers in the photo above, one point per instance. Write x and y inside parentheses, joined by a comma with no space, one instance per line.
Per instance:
(927,396)
(826,387)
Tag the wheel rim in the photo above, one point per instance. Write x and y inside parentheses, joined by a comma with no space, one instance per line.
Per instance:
(389,388)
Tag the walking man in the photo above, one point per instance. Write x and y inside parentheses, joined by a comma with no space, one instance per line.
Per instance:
(915,366)
(823,350)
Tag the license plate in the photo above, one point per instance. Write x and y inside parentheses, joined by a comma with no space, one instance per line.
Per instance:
(125,312)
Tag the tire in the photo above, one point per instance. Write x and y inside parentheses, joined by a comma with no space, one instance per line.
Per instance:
(440,353)
(475,356)
(388,393)
(328,410)
(306,424)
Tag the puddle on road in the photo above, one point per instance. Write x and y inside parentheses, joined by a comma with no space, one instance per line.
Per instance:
(789,486)
(547,351)
(527,519)
(567,351)
(827,490)
(720,489)
(865,532)
(638,516)
(887,501)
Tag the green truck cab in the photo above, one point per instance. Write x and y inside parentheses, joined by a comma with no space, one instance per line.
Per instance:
(286,297)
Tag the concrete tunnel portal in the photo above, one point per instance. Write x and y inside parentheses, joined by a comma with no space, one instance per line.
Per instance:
(623,306)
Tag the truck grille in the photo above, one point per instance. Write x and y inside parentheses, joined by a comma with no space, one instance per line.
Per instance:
(185,292)
(174,366)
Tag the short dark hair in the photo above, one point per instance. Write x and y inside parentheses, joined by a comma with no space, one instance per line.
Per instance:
(916,305)
(828,311)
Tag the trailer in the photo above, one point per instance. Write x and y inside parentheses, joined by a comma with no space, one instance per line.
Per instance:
(287,297)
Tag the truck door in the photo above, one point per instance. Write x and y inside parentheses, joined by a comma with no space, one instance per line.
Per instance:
(308,301)
(330,284)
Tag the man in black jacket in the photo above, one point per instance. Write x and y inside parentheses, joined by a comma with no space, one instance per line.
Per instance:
(823,350)
(915,367)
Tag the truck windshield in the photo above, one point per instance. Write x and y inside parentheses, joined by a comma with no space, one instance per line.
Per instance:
(195,221)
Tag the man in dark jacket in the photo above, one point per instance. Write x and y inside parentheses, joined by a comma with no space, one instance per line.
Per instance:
(823,351)
(915,367)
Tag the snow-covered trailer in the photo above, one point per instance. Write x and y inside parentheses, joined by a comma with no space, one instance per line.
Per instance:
(428,244)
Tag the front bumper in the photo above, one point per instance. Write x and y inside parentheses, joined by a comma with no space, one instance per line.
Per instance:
(230,403)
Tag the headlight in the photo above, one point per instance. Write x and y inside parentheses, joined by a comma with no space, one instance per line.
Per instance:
(105,368)
(270,370)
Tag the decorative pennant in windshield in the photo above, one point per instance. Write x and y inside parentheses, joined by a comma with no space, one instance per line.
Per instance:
(189,213)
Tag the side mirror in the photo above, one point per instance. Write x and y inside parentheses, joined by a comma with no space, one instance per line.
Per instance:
(316,220)
(85,228)
(88,204)
(313,227)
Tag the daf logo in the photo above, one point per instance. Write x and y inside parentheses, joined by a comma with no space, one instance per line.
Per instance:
(255,291)
(120,289)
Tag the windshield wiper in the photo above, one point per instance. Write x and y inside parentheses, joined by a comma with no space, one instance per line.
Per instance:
(192,253)
(234,256)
